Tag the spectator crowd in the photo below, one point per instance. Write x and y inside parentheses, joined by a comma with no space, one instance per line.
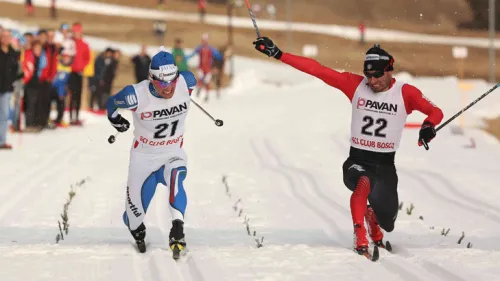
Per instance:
(45,69)
(43,72)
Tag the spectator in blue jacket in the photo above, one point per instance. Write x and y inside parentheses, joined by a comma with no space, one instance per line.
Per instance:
(60,83)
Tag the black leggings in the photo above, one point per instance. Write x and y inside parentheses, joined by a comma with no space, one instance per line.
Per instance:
(43,104)
(30,104)
(383,196)
(75,87)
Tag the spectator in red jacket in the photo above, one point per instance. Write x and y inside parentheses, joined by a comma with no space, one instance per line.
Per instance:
(81,59)
(34,62)
(202,8)
(29,7)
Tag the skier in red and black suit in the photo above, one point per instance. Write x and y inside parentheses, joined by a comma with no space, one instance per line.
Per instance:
(380,106)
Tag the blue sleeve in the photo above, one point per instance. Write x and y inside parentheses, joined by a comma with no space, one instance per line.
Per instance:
(126,98)
(60,82)
(190,79)
(61,90)
(196,51)
(216,54)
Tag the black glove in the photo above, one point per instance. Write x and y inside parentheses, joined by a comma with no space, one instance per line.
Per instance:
(426,134)
(266,46)
(121,124)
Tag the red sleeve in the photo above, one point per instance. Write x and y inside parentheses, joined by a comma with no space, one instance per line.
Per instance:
(344,81)
(415,100)
(28,66)
(54,66)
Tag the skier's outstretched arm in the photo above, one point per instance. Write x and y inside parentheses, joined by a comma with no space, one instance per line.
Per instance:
(195,52)
(215,53)
(125,99)
(415,100)
(344,81)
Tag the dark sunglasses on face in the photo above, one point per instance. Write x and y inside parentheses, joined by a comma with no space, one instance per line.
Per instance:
(375,74)
(164,83)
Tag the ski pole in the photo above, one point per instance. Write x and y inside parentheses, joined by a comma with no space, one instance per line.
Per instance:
(253,19)
(218,122)
(460,112)
(467,107)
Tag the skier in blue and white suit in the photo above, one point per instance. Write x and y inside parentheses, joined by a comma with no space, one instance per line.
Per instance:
(160,106)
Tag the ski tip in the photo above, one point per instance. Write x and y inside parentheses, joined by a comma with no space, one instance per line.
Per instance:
(141,247)
(388,246)
(141,250)
(375,254)
(176,252)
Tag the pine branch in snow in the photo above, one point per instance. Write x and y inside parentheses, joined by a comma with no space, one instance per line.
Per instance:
(235,206)
(64,216)
(60,235)
(259,243)
(445,232)
(224,181)
(410,209)
(248,229)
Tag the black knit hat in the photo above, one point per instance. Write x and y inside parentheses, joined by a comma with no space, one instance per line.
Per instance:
(378,59)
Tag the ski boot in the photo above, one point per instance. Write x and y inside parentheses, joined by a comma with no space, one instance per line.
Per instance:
(361,243)
(139,234)
(376,233)
(176,238)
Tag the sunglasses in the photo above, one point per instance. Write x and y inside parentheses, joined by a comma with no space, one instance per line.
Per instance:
(375,74)
(163,83)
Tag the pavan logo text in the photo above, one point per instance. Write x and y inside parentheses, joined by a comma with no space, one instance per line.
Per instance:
(363,103)
(163,112)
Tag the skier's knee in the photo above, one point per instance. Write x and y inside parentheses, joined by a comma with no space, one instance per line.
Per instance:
(178,200)
(388,226)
